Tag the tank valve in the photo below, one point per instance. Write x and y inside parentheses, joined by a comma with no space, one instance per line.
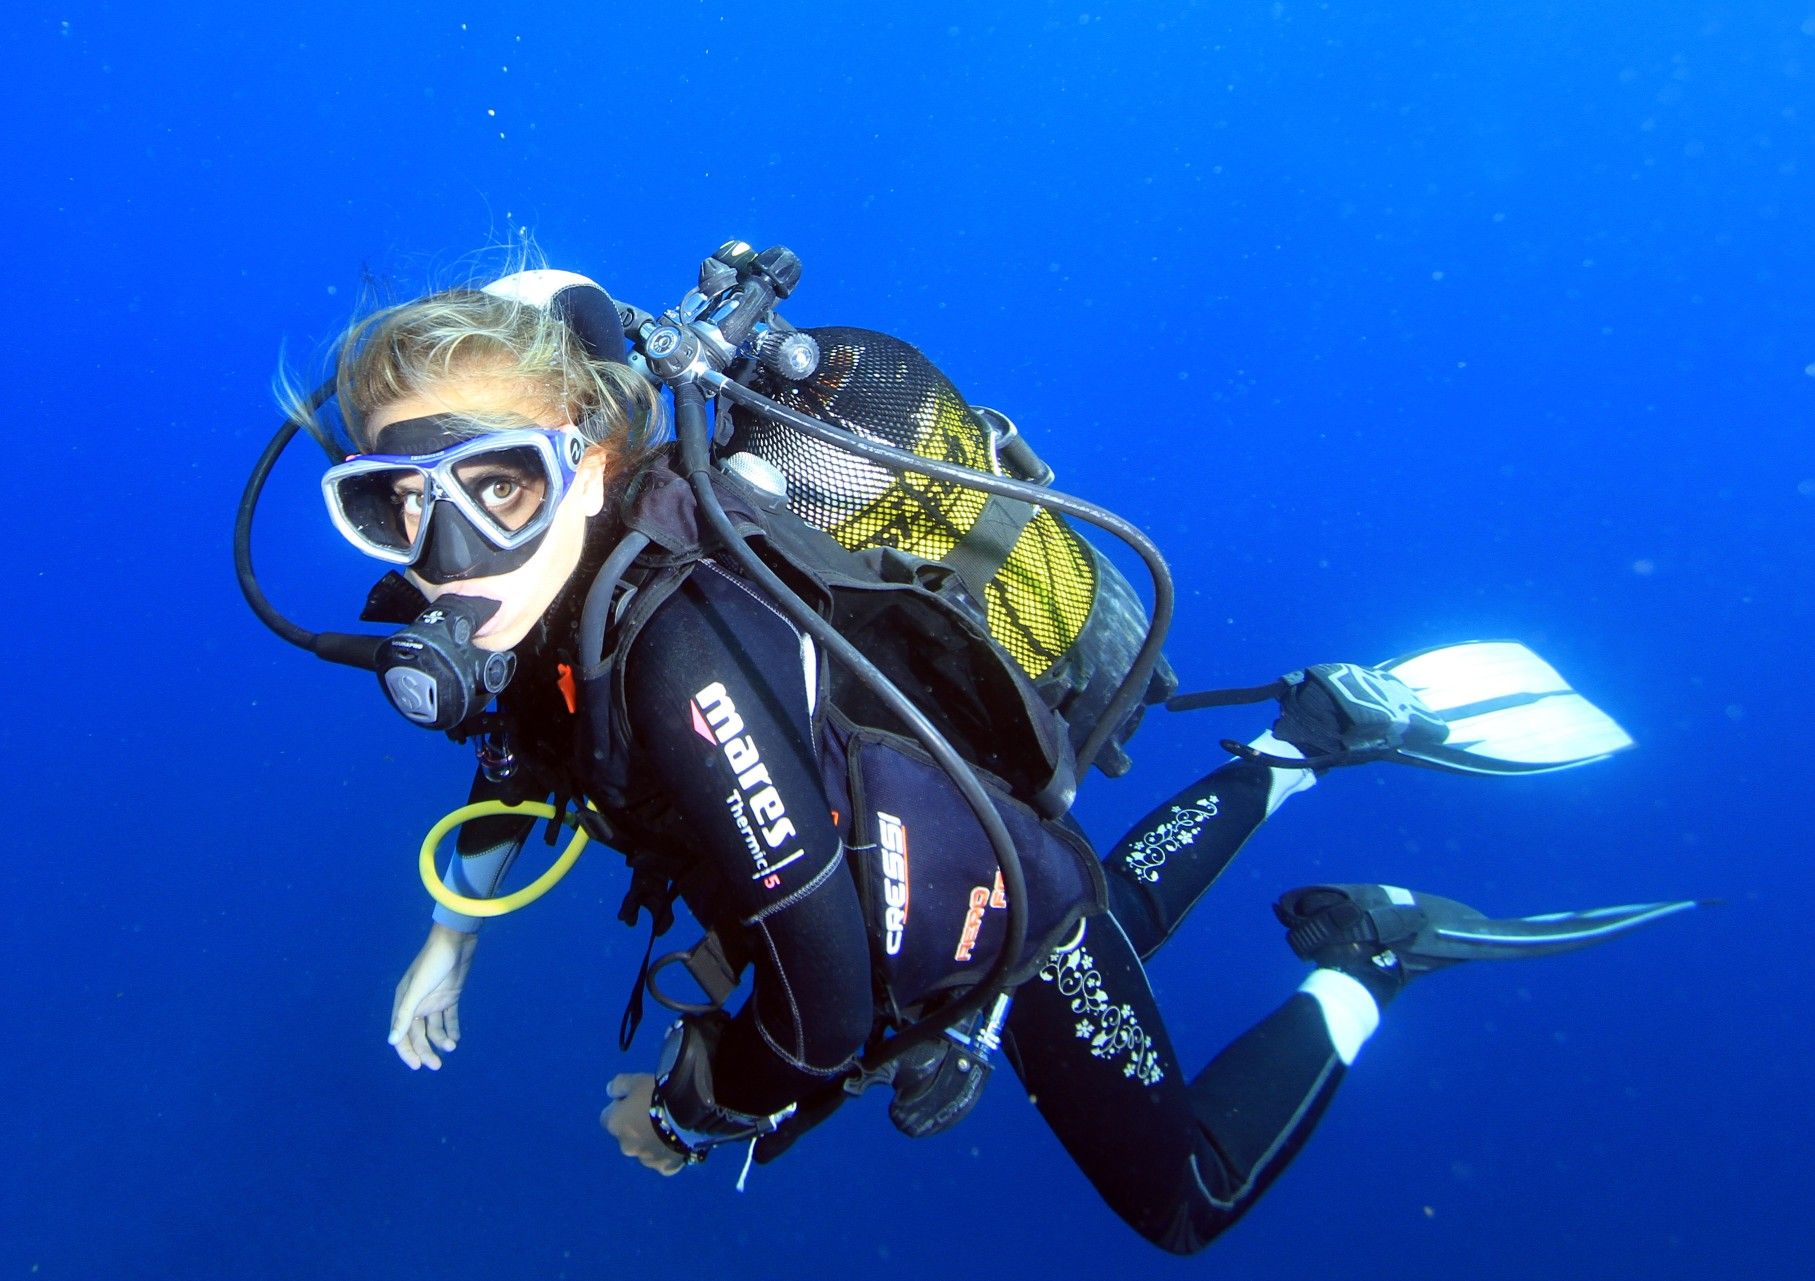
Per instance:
(792,355)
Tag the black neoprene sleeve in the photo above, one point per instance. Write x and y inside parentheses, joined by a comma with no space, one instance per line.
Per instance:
(719,689)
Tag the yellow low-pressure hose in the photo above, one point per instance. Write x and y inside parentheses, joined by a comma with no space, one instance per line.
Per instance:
(437,888)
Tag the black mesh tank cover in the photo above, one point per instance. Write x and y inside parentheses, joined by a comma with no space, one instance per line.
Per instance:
(882,388)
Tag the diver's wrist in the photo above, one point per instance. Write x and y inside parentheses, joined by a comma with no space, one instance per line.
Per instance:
(457,924)
(690,1146)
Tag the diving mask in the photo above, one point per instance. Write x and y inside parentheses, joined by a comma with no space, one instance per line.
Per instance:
(470,509)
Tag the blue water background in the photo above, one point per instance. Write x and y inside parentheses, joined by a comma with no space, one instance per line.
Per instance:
(1395,324)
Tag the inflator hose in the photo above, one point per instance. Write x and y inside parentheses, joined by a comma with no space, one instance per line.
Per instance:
(437,888)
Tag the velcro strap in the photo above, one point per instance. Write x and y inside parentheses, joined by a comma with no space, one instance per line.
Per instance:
(986,546)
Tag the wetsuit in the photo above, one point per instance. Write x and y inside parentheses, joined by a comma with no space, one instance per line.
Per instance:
(1178,1158)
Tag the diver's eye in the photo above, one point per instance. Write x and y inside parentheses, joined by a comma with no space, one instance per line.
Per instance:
(507,490)
(406,496)
(499,493)
(406,502)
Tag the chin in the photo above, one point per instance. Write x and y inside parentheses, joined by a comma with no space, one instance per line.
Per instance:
(524,594)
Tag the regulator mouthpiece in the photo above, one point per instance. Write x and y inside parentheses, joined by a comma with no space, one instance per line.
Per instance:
(434,674)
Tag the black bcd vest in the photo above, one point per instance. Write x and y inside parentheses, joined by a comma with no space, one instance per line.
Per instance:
(914,619)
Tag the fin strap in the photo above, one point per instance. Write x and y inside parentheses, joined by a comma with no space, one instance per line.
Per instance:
(1329,760)
(1234,697)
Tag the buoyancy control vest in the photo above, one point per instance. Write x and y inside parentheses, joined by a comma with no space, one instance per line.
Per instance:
(910,616)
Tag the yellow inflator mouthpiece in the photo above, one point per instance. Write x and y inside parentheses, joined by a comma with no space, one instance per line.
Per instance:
(437,888)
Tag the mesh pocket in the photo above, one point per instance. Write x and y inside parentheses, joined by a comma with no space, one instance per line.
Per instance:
(883,389)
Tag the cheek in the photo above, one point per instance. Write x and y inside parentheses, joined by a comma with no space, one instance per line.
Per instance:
(555,557)
(566,535)
(589,487)
(528,591)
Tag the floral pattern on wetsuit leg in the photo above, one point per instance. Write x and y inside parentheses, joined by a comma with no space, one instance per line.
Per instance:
(1112,1029)
(1146,856)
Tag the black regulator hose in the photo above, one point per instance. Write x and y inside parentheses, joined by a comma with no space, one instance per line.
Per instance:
(337,647)
(691,432)
(1134,685)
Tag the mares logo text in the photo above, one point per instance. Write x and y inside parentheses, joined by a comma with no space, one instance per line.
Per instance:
(715,719)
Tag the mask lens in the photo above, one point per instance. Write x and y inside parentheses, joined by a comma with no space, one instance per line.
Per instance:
(508,488)
(382,506)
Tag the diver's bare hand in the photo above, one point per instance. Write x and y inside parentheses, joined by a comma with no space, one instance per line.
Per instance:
(626,1119)
(425,1015)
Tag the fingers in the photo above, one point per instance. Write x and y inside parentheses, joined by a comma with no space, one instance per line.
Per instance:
(419,1041)
(621,1123)
(416,1036)
(413,1046)
(415,1050)
(410,992)
(399,1037)
(402,1011)
(667,1165)
(626,1119)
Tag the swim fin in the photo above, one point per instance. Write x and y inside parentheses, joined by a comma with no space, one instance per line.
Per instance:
(1481,707)
(1386,936)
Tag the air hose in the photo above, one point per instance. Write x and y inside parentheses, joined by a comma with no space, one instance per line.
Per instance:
(504,904)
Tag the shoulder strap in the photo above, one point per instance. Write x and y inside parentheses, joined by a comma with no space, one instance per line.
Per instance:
(988,543)
(916,617)
(919,622)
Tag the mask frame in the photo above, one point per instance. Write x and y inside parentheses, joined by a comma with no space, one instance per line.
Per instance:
(558,450)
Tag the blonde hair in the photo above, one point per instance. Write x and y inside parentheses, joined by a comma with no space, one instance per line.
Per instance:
(418,348)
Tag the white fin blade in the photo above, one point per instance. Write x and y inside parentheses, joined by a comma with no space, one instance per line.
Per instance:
(1475,672)
(1563,729)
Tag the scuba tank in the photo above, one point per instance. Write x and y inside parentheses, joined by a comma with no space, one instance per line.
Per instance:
(1051,600)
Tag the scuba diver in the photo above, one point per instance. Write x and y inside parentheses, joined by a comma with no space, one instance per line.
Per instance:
(827,668)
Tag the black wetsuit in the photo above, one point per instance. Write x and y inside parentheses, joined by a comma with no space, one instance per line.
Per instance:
(1178,1158)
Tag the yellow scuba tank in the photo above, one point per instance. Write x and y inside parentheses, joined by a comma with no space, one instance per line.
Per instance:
(1053,603)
